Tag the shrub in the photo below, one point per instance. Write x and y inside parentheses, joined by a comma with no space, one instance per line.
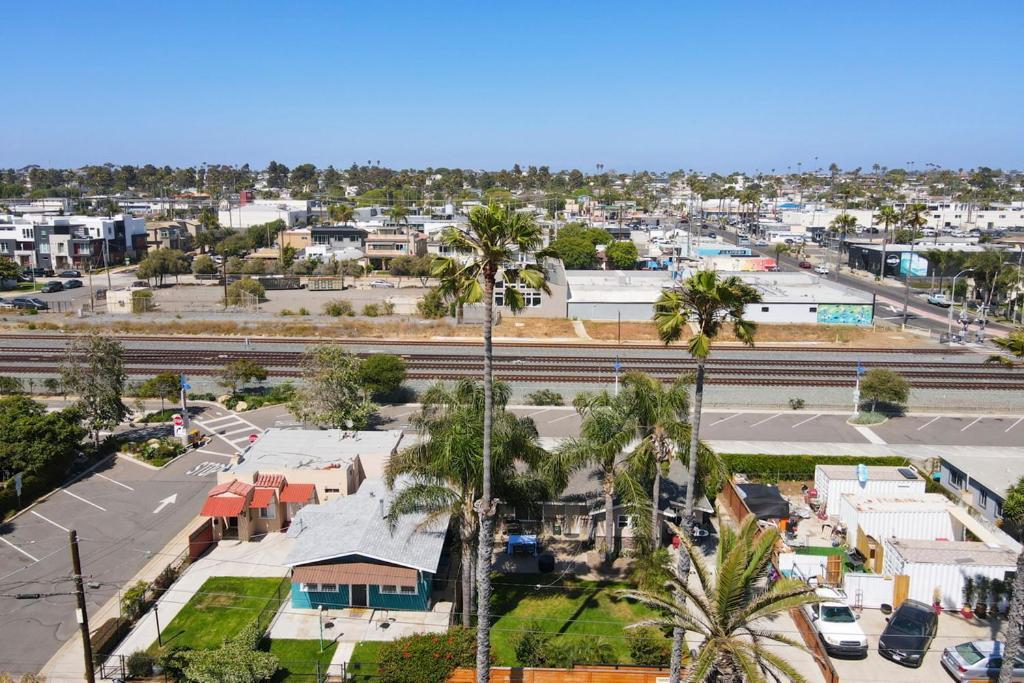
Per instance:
(798,466)
(286,312)
(426,657)
(245,291)
(648,647)
(303,311)
(202,396)
(565,652)
(387,308)
(371,310)
(432,305)
(796,403)
(886,387)
(529,645)
(133,600)
(338,308)
(382,373)
(545,397)
(140,664)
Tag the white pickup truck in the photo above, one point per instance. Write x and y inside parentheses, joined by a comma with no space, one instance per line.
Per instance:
(836,625)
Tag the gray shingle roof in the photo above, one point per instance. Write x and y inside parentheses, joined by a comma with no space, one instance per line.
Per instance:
(355,525)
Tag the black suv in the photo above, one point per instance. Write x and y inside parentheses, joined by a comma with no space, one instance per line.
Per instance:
(909,633)
(70,273)
(51,287)
(39,272)
(29,302)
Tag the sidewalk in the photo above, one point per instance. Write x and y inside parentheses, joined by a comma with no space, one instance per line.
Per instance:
(68,663)
(862,449)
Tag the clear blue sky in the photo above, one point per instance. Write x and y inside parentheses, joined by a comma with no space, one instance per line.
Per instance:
(660,85)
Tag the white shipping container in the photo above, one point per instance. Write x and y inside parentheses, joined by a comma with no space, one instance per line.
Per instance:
(922,517)
(832,481)
(948,576)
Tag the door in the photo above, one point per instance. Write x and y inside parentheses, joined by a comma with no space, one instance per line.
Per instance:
(358,595)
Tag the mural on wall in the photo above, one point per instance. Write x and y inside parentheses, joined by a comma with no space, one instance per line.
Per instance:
(845,314)
(914,265)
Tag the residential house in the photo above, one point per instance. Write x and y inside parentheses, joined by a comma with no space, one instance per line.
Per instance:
(388,242)
(347,554)
(247,510)
(168,235)
(980,480)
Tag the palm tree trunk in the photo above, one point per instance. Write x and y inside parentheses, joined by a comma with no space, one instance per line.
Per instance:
(881,269)
(484,550)
(467,580)
(1015,619)
(683,561)
(655,497)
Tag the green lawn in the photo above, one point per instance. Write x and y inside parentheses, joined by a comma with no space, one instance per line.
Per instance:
(298,659)
(363,665)
(578,608)
(221,608)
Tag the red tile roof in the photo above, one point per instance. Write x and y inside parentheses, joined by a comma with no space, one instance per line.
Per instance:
(261,498)
(223,506)
(239,488)
(297,493)
(270,481)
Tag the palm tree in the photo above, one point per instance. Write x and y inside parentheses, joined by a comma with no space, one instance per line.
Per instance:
(399,214)
(705,302)
(938,259)
(1012,344)
(887,217)
(844,224)
(495,235)
(780,249)
(728,610)
(912,219)
(341,213)
(442,472)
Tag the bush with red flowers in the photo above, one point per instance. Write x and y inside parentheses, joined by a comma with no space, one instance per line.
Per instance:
(426,657)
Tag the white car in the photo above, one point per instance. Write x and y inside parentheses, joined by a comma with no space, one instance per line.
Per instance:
(821,270)
(836,625)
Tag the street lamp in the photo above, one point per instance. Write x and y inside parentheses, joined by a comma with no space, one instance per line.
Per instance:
(952,305)
(320,618)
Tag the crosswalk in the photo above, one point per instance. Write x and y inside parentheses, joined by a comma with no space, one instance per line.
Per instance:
(205,469)
(228,427)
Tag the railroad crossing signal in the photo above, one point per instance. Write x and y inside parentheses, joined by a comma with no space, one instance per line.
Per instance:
(184,383)
(860,369)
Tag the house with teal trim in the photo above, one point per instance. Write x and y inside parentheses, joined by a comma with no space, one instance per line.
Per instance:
(347,554)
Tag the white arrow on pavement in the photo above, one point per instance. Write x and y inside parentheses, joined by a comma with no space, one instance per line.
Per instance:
(173,498)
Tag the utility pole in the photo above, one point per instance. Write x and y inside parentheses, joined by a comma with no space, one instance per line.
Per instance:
(82,614)
(106,265)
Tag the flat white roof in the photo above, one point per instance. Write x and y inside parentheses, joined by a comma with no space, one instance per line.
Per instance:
(315,449)
(996,473)
(954,552)
(920,502)
(875,473)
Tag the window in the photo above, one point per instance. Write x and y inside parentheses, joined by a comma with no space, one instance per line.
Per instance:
(328,588)
(764,309)
(330,490)
(813,309)
(956,479)
(623,521)
(307,587)
(268,512)
(982,497)
(408,590)
(531,296)
(389,590)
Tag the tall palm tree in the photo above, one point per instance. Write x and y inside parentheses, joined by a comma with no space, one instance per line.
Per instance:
(341,213)
(780,249)
(442,473)
(842,225)
(494,236)
(887,217)
(705,302)
(912,219)
(938,258)
(729,610)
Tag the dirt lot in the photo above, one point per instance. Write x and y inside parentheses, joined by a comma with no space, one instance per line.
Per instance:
(840,335)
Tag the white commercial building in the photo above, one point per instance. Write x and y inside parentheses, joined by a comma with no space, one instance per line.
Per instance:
(832,481)
(292,211)
(924,516)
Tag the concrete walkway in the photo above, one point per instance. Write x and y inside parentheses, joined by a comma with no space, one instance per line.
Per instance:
(863,449)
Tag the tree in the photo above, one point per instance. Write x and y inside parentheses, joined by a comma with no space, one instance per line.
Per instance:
(332,394)
(241,371)
(887,386)
(9,270)
(577,253)
(704,301)
(236,661)
(10,386)
(399,214)
(245,292)
(842,225)
(159,263)
(35,441)
(382,373)
(494,236)
(341,213)
(203,265)
(780,249)
(728,609)
(165,386)
(431,305)
(445,466)
(411,266)
(93,370)
(887,217)
(622,255)
(1013,344)
(425,657)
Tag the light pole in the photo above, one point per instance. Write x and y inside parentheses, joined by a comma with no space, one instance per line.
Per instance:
(320,618)
(952,305)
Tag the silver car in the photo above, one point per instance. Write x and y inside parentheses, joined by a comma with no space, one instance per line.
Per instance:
(978,659)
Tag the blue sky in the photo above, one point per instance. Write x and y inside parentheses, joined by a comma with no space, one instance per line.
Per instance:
(660,85)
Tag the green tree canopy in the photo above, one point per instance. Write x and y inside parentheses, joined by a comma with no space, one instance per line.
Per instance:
(332,393)
(159,263)
(93,370)
(382,373)
(622,255)
(241,371)
(577,253)
(8,268)
(245,291)
(885,386)
(35,441)
(204,265)
(165,386)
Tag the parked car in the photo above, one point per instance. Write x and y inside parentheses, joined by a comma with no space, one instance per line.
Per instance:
(27,302)
(713,235)
(138,284)
(72,284)
(5,304)
(821,269)
(70,273)
(939,300)
(772,269)
(381,283)
(909,633)
(836,625)
(39,272)
(806,265)
(51,287)
(978,659)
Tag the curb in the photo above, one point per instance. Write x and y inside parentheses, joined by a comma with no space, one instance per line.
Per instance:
(73,480)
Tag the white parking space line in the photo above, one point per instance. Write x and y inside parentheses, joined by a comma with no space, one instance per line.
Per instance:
(806,421)
(243,430)
(84,500)
(724,419)
(205,452)
(1013,425)
(929,422)
(971,424)
(537,412)
(766,419)
(47,519)
(216,419)
(869,435)
(28,555)
(564,417)
(115,482)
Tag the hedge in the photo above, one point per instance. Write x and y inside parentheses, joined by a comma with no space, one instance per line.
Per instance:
(798,466)
(426,657)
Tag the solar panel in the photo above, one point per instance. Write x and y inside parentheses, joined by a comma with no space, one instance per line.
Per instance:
(907,472)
